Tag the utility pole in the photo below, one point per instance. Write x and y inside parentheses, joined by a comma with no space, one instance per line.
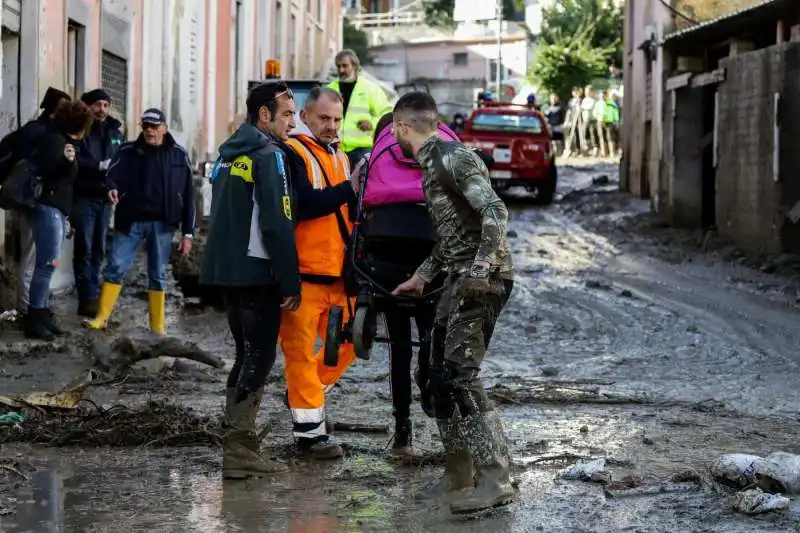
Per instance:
(498,72)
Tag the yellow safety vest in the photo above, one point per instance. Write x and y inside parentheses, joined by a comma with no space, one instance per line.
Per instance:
(367,102)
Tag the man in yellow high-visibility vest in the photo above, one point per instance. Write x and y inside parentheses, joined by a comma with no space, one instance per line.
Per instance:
(364,103)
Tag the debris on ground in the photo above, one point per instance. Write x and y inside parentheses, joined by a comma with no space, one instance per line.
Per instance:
(778,472)
(756,501)
(66,398)
(154,424)
(560,392)
(735,470)
(12,418)
(125,351)
(593,471)
(11,479)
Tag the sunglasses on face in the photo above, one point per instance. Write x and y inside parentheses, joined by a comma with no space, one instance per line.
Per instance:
(150,126)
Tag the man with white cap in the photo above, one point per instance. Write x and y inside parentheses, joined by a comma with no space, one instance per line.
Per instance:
(150,181)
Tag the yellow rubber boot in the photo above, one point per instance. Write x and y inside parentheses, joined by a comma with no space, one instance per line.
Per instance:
(109,293)
(156,303)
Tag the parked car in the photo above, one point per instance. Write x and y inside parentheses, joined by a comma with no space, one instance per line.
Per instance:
(519,140)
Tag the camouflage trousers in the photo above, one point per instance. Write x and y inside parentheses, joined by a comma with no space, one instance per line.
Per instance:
(465,320)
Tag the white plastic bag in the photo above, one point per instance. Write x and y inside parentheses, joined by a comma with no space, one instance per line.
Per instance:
(587,471)
(756,501)
(735,469)
(779,472)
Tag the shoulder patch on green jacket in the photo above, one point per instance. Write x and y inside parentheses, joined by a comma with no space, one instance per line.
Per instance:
(242,167)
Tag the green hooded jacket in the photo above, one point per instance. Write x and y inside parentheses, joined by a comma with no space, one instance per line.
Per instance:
(251,241)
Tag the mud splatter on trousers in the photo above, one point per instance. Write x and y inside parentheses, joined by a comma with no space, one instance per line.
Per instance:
(465,322)
(254,318)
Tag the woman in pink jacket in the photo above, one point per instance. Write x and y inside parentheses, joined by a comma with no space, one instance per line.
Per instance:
(393,178)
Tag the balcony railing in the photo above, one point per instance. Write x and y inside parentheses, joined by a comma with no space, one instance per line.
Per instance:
(395,18)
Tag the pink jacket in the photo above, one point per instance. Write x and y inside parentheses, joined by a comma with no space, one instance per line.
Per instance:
(393,178)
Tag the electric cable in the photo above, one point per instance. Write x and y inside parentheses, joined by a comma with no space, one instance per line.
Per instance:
(678,13)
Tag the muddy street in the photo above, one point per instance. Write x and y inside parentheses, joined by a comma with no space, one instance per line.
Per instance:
(653,349)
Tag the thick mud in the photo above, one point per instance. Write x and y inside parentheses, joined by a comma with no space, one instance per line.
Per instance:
(654,349)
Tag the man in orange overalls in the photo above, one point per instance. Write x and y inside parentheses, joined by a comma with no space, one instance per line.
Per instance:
(324,194)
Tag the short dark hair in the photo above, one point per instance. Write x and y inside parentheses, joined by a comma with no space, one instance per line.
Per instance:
(319,91)
(382,124)
(419,110)
(266,94)
(73,117)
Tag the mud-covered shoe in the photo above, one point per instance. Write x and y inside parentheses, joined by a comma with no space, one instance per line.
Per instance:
(35,326)
(53,325)
(323,447)
(458,478)
(489,449)
(242,457)
(241,461)
(88,308)
(402,441)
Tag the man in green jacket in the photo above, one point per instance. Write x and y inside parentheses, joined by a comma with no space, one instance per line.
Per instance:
(364,104)
(251,255)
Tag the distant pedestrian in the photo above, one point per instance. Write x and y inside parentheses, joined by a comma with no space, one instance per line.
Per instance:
(150,181)
(91,212)
(54,159)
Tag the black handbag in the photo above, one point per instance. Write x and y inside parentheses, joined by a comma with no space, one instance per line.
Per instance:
(22,188)
(351,285)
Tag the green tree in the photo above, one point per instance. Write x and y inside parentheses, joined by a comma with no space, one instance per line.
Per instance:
(566,64)
(439,13)
(565,19)
(578,40)
(356,40)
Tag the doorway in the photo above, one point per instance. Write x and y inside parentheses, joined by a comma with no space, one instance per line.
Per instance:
(709,163)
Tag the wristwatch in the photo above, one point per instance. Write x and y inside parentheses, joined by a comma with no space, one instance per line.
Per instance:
(189,237)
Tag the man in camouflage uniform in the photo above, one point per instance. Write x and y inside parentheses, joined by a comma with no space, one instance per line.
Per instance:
(472,249)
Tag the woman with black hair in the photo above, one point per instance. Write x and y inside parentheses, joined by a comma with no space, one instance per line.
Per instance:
(54,162)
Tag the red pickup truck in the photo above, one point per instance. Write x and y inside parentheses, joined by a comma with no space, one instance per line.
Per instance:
(518,138)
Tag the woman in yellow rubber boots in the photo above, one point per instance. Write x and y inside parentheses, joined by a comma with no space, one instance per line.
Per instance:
(150,181)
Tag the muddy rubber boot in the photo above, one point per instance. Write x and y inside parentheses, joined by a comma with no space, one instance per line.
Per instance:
(458,477)
(241,457)
(401,443)
(36,325)
(156,306)
(487,442)
(88,308)
(53,325)
(109,292)
(322,447)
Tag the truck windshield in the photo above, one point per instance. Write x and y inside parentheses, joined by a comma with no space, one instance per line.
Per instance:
(507,122)
(300,96)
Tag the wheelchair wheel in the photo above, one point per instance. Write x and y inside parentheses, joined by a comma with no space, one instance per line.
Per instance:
(363,332)
(333,336)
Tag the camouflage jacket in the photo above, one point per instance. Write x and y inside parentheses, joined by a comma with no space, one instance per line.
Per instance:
(468,216)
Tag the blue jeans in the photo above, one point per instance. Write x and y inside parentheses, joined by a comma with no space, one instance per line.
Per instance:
(90,219)
(49,229)
(158,246)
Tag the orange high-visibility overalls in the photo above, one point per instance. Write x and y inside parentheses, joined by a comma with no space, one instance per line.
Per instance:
(321,254)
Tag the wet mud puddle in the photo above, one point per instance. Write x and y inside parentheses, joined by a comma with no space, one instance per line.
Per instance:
(606,351)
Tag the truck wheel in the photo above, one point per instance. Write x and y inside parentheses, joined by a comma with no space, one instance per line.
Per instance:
(363,332)
(547,190)
(333,336)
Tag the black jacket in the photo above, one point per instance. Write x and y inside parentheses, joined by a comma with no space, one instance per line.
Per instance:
(131,173)
(101,144)
(251,170)
(55,170)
